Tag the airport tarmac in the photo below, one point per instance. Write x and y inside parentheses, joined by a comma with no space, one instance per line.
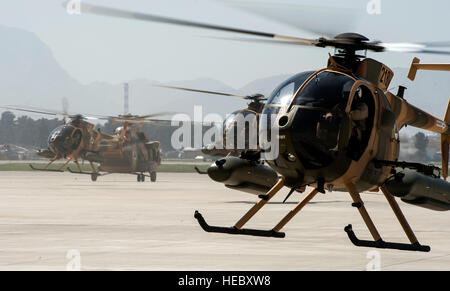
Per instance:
(47,219)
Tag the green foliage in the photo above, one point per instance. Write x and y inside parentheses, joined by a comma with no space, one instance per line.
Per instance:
(25,131)
(421,142)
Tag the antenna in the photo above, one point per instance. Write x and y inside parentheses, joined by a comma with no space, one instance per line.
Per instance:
(126,89)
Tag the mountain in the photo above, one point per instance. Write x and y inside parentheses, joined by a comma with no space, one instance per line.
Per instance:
(31,76)
(28,70)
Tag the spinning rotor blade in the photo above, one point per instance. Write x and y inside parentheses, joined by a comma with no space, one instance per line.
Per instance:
(341,41)
(423,48)
(324,21)
(166,122)
(203,91)
(321,21)
(141,121)
(437,43)
(106,11)
(48,112)
(388,47)
(257,40)
(33,110)
(151,115)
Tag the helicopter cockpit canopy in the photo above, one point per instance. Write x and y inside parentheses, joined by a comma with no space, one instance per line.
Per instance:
(281,96)
(240,130)
(64,139)
(54,133)
(316,126)
(326,90)
(315,102)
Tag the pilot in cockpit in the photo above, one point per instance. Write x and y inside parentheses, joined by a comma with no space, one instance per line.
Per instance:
(359,115)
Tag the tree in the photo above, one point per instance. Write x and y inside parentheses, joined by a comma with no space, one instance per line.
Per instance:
(421,142)
(7,125)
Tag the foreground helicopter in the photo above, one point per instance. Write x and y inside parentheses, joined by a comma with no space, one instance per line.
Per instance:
(126,151)
(338,131)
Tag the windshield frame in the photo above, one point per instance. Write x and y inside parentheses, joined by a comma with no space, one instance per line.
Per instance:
(300,89)
(283,85)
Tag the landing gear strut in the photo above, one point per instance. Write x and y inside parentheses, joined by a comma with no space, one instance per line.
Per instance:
(140,177)
(153,176)
(238,229)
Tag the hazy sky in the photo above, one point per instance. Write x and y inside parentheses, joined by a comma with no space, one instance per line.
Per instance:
(95,48)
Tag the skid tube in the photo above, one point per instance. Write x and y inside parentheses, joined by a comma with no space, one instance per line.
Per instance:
(81,172)
(274,232)
(378,242)
(98,174)
(381,244)
(233,230)
(44,170)
(200,171)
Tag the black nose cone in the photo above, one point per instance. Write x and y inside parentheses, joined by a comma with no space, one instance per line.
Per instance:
(58,145)
(220,171)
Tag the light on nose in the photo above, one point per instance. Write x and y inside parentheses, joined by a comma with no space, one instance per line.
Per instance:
(283,120)
(291,157)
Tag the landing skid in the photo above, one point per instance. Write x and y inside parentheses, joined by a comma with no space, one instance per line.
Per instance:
(94,175)
(233,230)
(384,245)
(377,242)
(45,170)
(86,173)
(200,171)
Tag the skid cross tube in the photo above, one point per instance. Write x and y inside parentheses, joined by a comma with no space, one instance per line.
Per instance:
(401,218)
(277,187)
(296,210)
(378,241)
(362,210)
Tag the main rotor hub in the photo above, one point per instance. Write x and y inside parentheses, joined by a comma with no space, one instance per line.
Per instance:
(350,43)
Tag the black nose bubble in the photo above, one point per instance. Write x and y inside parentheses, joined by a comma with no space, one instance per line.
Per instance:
(57,144)
(283,121)
(218,172)
(220,163)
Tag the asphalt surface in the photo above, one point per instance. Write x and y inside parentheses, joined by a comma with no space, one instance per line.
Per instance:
(59,221)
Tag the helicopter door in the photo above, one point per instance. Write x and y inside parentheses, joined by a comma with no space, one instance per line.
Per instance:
(361,110)
(76,138)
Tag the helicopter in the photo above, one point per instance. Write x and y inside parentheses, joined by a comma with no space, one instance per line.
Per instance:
(126,151)
(338,130)
(228,145)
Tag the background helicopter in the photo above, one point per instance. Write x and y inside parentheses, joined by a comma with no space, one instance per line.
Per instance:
(126,151)
(225,147)
(338,130)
